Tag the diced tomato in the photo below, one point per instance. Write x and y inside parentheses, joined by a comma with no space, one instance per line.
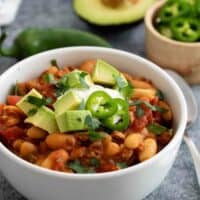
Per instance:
(12,133)
(12,100)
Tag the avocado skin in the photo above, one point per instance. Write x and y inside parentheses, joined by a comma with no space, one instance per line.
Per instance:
(88,16)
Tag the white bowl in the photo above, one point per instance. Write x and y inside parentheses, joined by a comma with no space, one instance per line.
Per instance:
(132,183)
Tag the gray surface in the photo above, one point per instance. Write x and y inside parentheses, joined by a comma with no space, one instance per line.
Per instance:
(181,183)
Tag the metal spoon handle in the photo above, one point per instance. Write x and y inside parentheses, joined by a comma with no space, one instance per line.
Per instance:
(195,155)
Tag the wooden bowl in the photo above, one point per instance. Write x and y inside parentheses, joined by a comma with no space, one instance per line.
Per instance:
(167,53)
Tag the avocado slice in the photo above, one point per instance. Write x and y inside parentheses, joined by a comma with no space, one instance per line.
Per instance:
(99,13)
(72,120)
(69,101)
(44,118)
(24,105)
(104,73)
(74,79)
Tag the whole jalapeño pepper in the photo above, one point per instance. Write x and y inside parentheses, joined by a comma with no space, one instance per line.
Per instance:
(35,40)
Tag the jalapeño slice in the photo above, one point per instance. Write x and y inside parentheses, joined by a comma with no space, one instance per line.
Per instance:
(101,104)
(186,29)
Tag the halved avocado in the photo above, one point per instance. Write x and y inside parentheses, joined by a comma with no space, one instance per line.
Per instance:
(99,13)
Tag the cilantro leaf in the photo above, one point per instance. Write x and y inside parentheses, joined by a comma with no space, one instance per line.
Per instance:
(95,162)
(82,76)
(156,128)
(49,78)
(139,111)
(92,123)
(15,89)
(161,110)
(36,101)
(124,86)
(94,136)
(62,86)
(120,81)
(82,105)
(77,167)
(160,95)
(32,111)
(54,63)
(122,165)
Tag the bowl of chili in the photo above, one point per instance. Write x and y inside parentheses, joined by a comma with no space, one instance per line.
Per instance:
(133,182)
(172,33)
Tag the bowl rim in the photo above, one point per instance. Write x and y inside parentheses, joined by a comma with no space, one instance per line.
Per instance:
(149,25)
(175,140)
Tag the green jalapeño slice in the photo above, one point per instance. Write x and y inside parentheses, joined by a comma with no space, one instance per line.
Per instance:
(101,105)
(186,30)
(174,9)
(120,119)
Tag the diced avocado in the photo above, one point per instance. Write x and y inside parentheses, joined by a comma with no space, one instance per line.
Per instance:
(72,120)
(104,73)
(44,118)
(24,105)
(74,79)
(111,12)
(68,101)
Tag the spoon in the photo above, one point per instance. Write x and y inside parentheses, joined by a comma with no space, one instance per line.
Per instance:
(192,110)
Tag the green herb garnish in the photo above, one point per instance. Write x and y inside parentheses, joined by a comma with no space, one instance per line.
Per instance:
(82,76)
(94,136)
(36,101)
(49,78)
(91,122)
(121,165)
(160,95)
(155,108)
(139,111)
(82,105)
(77,167)
(156,128)
(120,81)
(54,63)
(62,86)
(32,111)
(124,86)
(95,162)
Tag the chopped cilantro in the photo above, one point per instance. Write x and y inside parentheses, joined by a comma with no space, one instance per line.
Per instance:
(82,105)
(36,101)
(77,167)
(155,108)
(161,110)
(49,100)
(32,111)
(49,78)
(62,86)
(95,162)
(92,123)
(124,86)
(160,95)
(94,136)
(16,89)
(82,80)
(156,128)
(54,63)
(139,111)
(122,165)
(120,81)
